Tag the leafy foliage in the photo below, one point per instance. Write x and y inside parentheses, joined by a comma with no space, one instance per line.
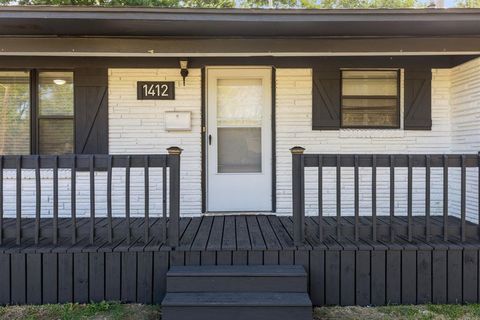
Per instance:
(468,3)
(308,4)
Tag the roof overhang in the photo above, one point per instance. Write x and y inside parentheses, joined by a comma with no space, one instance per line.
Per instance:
(127,21)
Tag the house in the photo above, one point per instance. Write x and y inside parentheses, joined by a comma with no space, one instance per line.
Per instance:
(329,156)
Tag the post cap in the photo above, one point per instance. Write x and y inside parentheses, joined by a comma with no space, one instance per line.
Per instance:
(174,150)
(297,150)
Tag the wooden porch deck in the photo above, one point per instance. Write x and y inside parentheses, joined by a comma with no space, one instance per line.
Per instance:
(340,270)
(234,233)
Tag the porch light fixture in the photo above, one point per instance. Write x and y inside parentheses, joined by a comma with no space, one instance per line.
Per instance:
(59,82)
(184,69)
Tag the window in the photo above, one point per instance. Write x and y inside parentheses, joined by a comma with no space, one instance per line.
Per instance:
(14,112)
(55,112)
(370,99)
(50,113)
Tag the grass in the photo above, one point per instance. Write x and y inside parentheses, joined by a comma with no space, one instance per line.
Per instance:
(74,311)
(117,311)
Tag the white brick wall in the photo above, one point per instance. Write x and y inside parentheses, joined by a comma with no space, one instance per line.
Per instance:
(294,121)
(137,127)
(465,120)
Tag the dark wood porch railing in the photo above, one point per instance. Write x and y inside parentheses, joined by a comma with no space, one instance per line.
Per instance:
(93,164)
(300,161)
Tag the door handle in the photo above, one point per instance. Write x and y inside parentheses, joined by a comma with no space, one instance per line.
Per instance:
(209,139)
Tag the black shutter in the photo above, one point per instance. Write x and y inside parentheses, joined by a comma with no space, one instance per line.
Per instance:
(91,111)
(326,99)
(418,99)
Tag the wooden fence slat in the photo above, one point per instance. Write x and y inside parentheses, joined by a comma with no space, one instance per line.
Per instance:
(96,276)
(129,277)
(5,277)
(393,277)
(332,277)
(145,276)
(65,277)
(34,278)
(80,277)
(378,278)
(50,278)
(362,278)
(454,276)
(439,276)
(19,277)
(470,275)
(113,276)
(424,276)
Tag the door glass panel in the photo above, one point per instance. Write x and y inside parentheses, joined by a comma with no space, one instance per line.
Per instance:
(239,150)
(239,125)
(239,102)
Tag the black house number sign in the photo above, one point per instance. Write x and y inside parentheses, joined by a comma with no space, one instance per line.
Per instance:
(156,90)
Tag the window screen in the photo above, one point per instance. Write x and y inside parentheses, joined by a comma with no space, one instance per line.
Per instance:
(14,112)
(55,113)
(370,99)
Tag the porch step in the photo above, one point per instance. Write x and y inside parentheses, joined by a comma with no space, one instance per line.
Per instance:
(237,279)
(237,292)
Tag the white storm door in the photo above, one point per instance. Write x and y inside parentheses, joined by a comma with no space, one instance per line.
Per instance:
(239,141)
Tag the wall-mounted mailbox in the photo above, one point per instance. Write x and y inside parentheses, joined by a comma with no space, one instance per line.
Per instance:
(178,120)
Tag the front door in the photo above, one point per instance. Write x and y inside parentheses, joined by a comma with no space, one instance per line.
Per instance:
(239,141)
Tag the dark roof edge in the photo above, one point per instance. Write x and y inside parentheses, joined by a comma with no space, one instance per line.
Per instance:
(238,11)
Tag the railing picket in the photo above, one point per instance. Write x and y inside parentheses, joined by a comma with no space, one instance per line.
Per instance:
(463,192)
(339,197)
(18,178)
(55,200)
(174,193)
(320,198)
(427,198)
(38,199)
(147,199)
(73,198)
(445,197)
(409,199)
(478,192)
(1,199)
(109,199)
(374,198)
(356,198)
(92,198)
(164,204)
(392,197)
(127,198)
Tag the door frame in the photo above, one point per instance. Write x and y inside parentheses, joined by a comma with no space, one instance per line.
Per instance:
(204,131)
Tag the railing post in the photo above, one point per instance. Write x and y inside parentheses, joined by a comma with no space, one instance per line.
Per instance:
(298,195)
(174,219)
